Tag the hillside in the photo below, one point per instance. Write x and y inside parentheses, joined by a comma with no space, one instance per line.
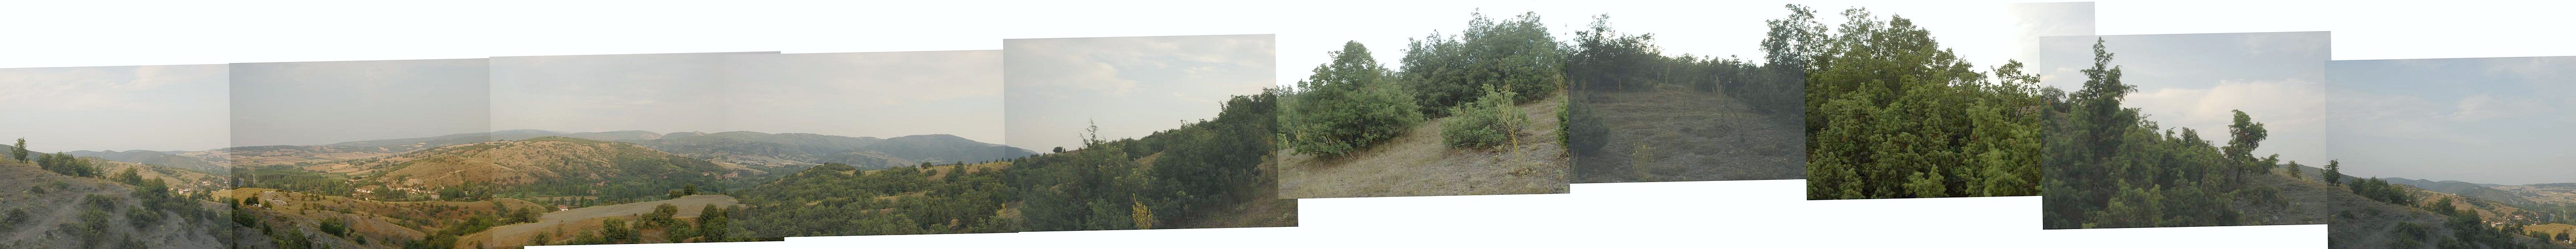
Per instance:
(559,165)
(737,147)
(1416,163)
(276,218)
(840,200)
(41,209)
(2406,216)
(159,158)
(1682,135)
(764,149)
(586,219)
(2473,190)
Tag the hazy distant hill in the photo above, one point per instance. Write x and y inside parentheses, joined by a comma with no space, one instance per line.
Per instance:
(156,158)
(2468,189)
(764,149)
(736,147)
(546,160)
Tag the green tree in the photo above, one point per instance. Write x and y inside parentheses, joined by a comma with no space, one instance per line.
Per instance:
(1891,114)
(713,226)
(1491,121)
(2333,173)
(1518,55)
(1347,105)
(19,152)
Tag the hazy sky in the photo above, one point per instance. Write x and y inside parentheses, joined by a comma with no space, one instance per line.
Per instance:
(116,108)
(1132,86)
(2036,20)
(2484,120)
(591,93)
(312,103)
(2195,80)
(886,94)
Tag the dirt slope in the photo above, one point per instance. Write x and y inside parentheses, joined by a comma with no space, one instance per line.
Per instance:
(1418,164)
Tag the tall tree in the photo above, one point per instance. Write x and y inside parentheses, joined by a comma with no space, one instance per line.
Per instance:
(1347,105)
(2334,172)
(19,151)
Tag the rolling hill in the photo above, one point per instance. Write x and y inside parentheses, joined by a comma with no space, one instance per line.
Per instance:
(159,158)
(547,161)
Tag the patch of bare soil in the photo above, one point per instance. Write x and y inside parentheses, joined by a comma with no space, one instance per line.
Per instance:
(1418,164)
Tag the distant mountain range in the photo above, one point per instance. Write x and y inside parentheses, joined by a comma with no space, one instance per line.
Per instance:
(745,148)
(751,148)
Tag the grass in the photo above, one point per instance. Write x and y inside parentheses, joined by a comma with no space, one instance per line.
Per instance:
(1418,163)
(1683,135)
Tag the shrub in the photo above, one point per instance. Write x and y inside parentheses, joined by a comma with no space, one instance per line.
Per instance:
(1348,105)
(1577,121)
(1489,121)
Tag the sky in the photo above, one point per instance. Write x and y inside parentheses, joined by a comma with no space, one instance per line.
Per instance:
(2196,80)
(314,103)
(661,93)
(2482,120)
(1131,86)
(883,94)
(160,108)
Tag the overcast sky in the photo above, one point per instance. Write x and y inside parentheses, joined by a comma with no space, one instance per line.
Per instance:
(2196,80)
(884,95)
(1132,86)
(661,93)
(2483,120)
(312,103)
(116,108)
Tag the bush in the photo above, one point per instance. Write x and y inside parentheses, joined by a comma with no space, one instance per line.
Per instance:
(1576,120)
(1348,105)
(335,227)
(1489,121)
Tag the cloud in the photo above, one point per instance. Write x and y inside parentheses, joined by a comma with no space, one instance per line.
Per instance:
(2483,107)
(120,88)
(2292,102)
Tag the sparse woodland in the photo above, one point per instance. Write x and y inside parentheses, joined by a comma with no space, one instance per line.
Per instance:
(1194,174)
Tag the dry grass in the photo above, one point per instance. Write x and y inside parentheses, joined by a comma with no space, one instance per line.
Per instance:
(567,224)
(1418,164)
(1681,135)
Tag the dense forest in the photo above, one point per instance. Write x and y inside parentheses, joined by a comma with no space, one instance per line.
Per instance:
(1163,180)
(1892,114)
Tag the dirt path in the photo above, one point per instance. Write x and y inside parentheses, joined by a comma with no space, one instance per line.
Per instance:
(1418,164)
(1676,135)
